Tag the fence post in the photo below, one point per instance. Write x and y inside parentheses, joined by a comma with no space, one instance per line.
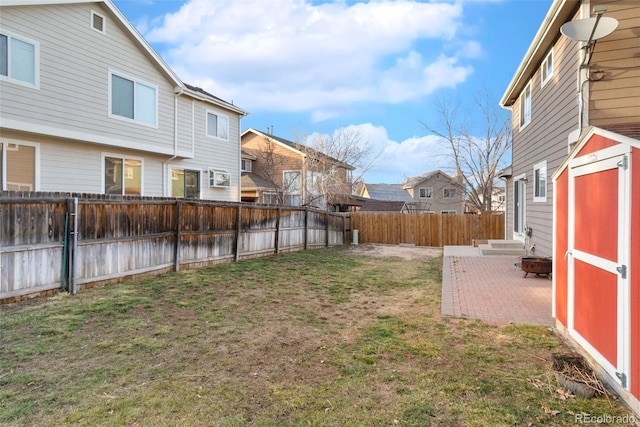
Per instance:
(238,230)
(327,227)
(277,236)
(306,227)
(73,246)
(176,243)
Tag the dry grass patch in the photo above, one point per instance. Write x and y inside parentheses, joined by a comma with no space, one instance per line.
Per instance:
(323,337)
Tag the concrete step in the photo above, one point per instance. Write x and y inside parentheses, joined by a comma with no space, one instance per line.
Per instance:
(506,244)
(508,251)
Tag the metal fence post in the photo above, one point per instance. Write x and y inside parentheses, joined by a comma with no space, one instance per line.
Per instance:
(176,243)
(73,246)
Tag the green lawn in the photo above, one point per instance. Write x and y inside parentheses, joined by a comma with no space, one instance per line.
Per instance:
(322,338)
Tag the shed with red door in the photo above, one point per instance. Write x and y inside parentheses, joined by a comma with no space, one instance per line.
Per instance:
(596,277)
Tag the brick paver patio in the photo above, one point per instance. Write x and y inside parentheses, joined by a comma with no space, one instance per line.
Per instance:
(492,289)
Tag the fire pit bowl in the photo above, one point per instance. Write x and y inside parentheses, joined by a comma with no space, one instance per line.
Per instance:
(538,266)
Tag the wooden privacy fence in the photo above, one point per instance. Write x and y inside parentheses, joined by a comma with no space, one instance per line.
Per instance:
(426,229)
(53,241)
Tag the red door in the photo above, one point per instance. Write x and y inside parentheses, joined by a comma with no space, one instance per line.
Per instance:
(599,247)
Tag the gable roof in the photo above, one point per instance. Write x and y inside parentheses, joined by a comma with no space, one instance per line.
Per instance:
(387,192)
(181,88)
(412,182)
(297,147)
(586,136)
(559,13)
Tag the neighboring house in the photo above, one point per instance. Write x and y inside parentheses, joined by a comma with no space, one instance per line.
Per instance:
(281,172)
(255,189)
(434,192)
(544,96)
(86,105)
(588,143)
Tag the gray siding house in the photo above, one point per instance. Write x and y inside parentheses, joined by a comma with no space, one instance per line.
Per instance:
(86,105)
(554,98)
(430,193)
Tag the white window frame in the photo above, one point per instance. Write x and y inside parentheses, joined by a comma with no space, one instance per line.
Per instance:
(449,212)
(122,157)
(104,22)
(446,189)
(430,191)
(540,181)
(36,60)
(173,176)
(525,106)
(206,124)
(287,193)
(244,162)
(4,147)
(136,82)
(546,69)
(270,194)
(213,173)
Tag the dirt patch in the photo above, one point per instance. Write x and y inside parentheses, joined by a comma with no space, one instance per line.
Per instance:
(408,253)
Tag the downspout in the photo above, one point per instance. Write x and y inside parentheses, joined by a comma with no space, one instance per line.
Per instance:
(165,164)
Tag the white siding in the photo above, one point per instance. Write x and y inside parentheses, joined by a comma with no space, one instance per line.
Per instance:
(74,77)
(68,114)
(211,152)
(75,167)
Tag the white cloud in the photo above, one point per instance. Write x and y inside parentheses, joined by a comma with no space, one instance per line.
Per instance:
(297,56)
(399,160)
(411,157)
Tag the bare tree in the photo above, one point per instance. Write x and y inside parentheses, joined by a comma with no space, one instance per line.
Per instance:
(477,157)
(331,161)
(271,164)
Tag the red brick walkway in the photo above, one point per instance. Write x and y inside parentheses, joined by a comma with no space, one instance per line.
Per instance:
(493,290)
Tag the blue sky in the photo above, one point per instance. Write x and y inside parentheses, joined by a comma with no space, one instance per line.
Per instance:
(377,67)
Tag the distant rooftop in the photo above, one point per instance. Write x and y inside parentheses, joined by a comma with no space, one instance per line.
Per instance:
(388,192)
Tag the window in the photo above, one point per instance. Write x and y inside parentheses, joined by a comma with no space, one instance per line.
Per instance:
(20,168)
(97,22)
(525,106)
(219,178)
(185,183)
(502,198)
(547,68)
(448,212)
(246,165)
(18,59)
(449,193)
(292,186)
(426,193)
(540,182)
(270,198)
(217,126)
(133,100)
(122,176)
